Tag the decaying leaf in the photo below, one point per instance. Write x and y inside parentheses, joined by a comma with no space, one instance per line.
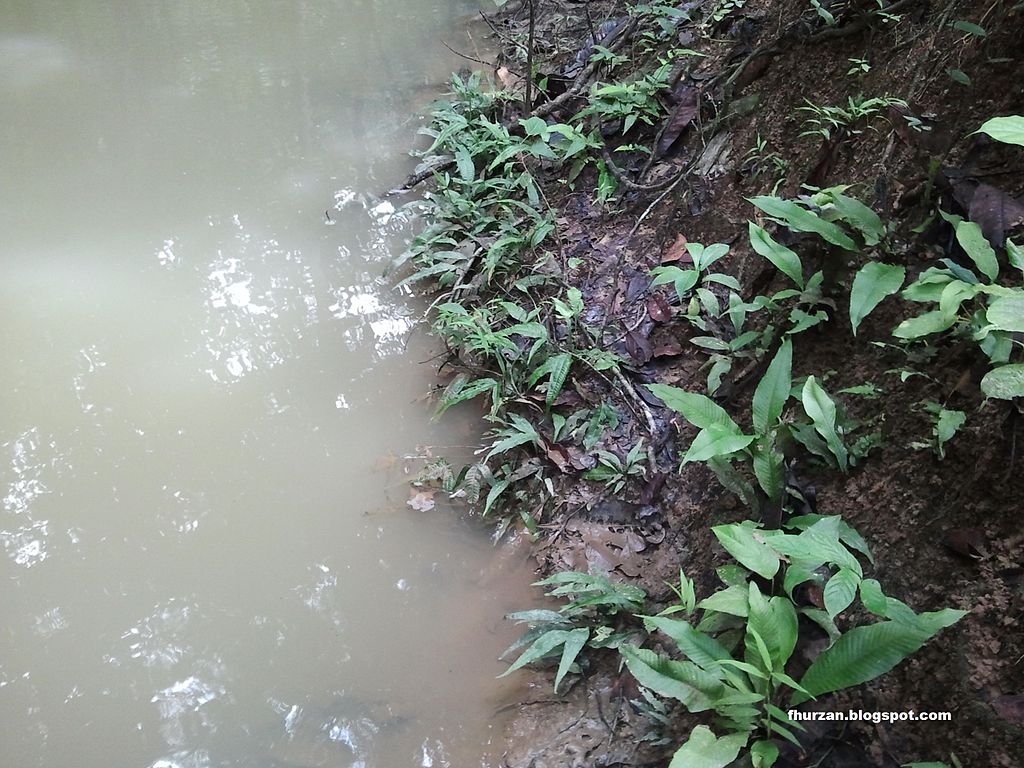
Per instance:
(677,252)
(658,308)
(1011,708)
(638,347)
(421,501)
(968,542)
(682,116)
(995,212)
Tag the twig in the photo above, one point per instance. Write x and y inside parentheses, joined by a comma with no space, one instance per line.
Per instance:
(466,56)
(422,176)
(530,39)
(631,185)
(630,391)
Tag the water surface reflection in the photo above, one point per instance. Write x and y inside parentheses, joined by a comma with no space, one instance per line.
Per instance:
(208,392)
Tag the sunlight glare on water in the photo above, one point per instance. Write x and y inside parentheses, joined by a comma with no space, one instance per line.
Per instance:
(212,397)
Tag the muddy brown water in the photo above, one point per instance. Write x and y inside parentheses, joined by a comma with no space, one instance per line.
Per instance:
(210,394)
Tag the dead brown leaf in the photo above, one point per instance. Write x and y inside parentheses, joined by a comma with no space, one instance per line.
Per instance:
(658,308)
(677,252)
(1011,708)
(687,108)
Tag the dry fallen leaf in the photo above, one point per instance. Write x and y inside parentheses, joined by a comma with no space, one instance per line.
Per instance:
(421,501)
(677,252)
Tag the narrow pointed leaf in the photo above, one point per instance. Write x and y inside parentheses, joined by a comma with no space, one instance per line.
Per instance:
(574,643)
(873,283)
(802,220)
(773,389)
(840,590)
(785,260)
(712,442)
(971,239)
(699,410)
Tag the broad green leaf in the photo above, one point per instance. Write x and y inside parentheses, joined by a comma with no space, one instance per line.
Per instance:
(679,680)
(699,410)
(958,76)
(1009,129)
(971,239)
(704,750)
(557,367)
(785,260)
(946,425)
(924,325)
(822,411)
(873,283)
(955,294)
(773,389)
(801,220)
(860,216)
(763,754)
(873,598)
(731,600)
(849,536)
(862,654)
(1007,313)
(492,495)
(933,622)
(840,590)
(1015,255)
(796,575)
(574,643)
(774,621)
(927,287)
(742,542)
(712,442)
(969,28)
(534,126)
(682,279)
(708,256)
(1005,382)
(464,164)
(735,482)
(769,471)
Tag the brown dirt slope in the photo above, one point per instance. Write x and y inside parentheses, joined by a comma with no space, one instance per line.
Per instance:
(944,532)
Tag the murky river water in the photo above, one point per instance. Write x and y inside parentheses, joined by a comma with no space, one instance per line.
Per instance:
(207,559)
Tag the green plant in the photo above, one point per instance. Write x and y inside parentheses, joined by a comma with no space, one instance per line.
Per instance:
(1009,129)
(857,114)
(725,7)
(945,424)
(758,161)
(614,471)
(594,601)
(629,102)
(974,305)
(735,658)
(842,221)
(858,68)
(721,441)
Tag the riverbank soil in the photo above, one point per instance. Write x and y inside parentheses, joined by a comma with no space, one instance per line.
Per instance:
(733,124)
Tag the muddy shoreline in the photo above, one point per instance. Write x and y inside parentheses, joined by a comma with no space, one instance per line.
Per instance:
(738,114)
